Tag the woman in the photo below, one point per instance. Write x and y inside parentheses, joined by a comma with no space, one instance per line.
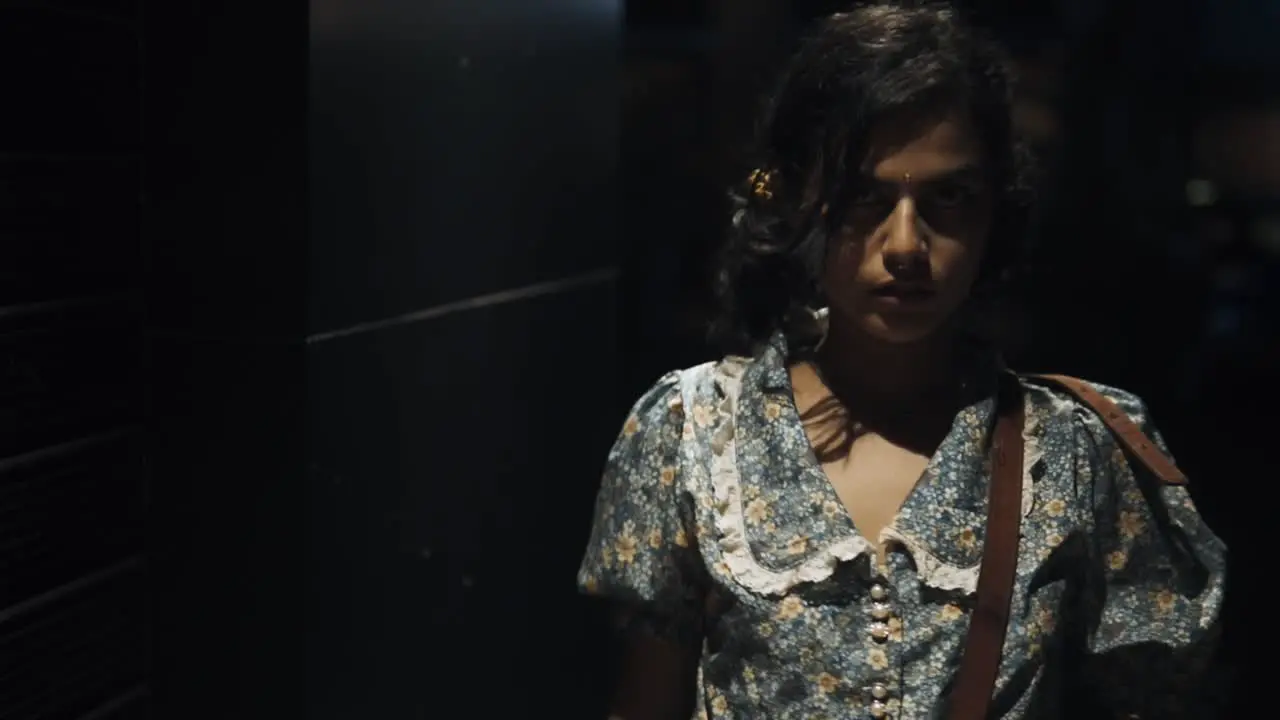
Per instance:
(795,531)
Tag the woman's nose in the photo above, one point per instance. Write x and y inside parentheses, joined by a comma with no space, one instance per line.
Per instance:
(904,248)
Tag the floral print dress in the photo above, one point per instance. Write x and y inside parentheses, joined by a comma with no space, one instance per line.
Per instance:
(716,527)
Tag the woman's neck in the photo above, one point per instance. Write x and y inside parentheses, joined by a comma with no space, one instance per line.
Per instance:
(902,373)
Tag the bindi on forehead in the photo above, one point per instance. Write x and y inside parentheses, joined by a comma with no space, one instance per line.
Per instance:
(923,153)
(928,173)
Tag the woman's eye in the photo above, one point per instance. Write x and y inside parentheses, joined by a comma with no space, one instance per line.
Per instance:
(871,197)
(951,195)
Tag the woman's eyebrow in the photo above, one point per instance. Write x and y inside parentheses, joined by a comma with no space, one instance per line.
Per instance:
(968,172)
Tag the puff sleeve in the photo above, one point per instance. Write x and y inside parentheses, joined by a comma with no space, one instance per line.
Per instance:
(641,553)
(1154,586)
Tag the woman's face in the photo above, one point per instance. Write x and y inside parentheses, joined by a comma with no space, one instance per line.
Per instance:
(911,246)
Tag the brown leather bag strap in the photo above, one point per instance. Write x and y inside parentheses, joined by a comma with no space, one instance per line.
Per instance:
(984,645)
(1126,431)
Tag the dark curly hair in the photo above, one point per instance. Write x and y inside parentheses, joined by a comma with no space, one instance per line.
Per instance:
(879,60)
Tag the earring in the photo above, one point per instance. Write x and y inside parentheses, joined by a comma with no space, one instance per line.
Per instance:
(822,318)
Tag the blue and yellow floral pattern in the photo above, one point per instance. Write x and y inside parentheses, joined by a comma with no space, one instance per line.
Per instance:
(716,527)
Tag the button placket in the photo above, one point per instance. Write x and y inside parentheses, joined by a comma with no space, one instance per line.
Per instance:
(881,612)
(879,592)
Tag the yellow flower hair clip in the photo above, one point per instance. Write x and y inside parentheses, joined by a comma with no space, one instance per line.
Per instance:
(761,182)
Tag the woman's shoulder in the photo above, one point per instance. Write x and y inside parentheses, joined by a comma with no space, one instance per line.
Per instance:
(666,401)
(1060,388)
(1066,394)
(696,394)
(1078,405)
(696,384)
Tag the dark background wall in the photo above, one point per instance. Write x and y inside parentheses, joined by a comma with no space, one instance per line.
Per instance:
(226,231)
(317,322)
(73,602)
(461,352)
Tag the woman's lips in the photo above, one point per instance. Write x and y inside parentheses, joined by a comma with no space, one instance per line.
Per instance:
(900,295)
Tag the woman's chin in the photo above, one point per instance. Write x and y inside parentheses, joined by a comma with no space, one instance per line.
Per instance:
(899,329)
